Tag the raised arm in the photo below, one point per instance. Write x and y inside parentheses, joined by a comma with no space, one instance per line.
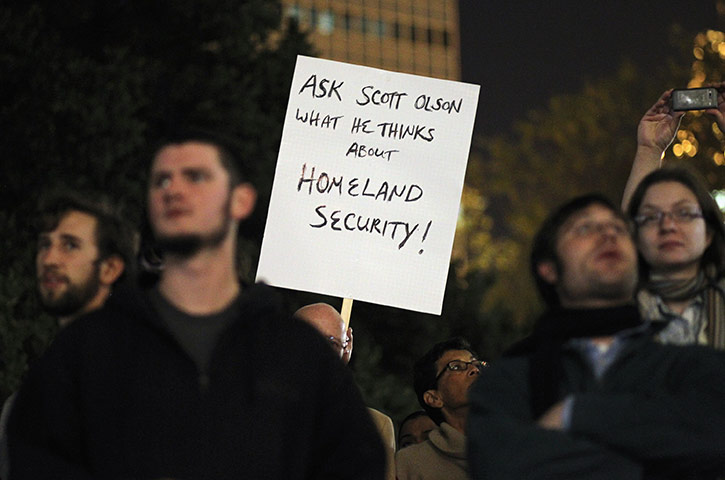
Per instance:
(655,133)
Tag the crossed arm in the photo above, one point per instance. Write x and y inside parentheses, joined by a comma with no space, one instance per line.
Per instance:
(613,434)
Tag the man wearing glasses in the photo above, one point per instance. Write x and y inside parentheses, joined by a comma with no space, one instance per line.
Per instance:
(441,380)
(328,321)
(589,394)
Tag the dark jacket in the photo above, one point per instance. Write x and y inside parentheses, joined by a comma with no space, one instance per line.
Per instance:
(657,413)
(116,397)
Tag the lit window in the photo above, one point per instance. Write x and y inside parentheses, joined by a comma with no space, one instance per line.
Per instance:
(326,22)
(293,12)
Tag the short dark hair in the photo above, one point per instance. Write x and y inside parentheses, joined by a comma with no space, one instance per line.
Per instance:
(113,234)
(424,372)
(715,253)
(229,149)
(544,245)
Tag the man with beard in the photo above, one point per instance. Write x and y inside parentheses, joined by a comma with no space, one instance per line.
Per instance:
(84,247)
(590,394)
(197,376)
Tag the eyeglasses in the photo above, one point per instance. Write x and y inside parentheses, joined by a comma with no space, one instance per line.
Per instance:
(460,366)
(337,343)
(680,215)
(590,227)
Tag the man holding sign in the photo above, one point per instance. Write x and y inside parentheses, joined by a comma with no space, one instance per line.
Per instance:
(196,377)
(328,321)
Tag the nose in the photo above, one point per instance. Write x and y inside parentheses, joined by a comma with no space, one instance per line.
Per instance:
(171,188)
(609,230)
(49,256)
(666,221)
(473,369)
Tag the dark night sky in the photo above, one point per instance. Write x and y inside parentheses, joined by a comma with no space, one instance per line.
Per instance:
(522,52)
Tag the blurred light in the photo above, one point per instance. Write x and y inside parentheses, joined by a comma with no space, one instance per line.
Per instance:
(719,196)
(677,150)
(699,53)
(716,130)
(714,35)
(689,148)
(719,159)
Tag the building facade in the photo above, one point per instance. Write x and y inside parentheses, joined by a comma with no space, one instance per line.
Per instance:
(410,36)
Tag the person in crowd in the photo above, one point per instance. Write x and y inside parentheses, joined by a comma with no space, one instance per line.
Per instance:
(192,377)
(442,378)
(681,241)
(589,394)
(679,234)
(328,321)
(415,429)
(84,247)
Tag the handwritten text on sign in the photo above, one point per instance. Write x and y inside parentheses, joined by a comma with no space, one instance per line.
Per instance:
(367,185)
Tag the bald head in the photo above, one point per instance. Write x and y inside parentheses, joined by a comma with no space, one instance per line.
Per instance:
(328,322)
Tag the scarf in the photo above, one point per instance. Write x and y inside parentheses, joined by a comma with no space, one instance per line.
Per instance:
(713,311)
(554,328)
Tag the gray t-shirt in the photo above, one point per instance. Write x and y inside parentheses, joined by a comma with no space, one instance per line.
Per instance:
(197,334)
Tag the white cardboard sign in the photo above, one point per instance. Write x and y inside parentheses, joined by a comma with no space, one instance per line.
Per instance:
(368,184)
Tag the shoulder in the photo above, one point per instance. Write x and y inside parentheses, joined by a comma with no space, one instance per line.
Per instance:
(413,457)
(448,441)
(380,419)
(427,460)
(384,426)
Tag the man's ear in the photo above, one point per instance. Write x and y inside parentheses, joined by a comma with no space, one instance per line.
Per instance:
(110,269)
(244,197)
(432,399)
(547,271)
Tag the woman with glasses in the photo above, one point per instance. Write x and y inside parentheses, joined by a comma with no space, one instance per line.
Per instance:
(681,241)
(679,234)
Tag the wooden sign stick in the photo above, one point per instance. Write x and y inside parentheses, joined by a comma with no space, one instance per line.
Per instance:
(346,310)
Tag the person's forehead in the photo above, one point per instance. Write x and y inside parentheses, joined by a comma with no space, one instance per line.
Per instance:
(667,193)
(325,319)
(76,224)
(595,211)
(191,154)
(416,424)
(451,355)
(329,325)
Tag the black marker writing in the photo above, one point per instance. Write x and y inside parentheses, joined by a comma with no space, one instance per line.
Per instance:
(323,88)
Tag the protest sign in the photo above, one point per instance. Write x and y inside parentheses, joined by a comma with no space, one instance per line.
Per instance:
(368,184)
